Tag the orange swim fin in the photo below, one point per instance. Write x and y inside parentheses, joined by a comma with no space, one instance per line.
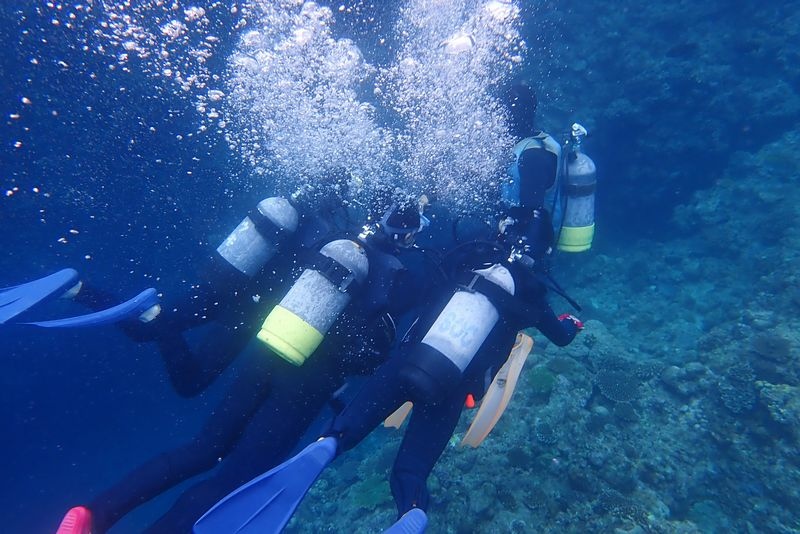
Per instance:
(499,393)
(396,419)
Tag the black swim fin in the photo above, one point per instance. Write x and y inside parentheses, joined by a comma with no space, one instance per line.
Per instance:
(18,299)
(265,504)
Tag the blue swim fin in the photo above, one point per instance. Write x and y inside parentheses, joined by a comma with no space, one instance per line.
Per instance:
(413,522)
(130,309)
(17,299)
(265,504)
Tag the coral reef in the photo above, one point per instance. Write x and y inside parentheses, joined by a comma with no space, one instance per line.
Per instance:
(617,386)
(783,403)
(737,388)
(672,90)
(540,380)
(771,346)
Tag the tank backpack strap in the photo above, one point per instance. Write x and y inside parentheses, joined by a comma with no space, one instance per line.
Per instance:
(336,273)
(509,306)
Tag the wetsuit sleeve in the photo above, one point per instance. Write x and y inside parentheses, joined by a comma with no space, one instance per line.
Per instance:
(538,312)
(559,332)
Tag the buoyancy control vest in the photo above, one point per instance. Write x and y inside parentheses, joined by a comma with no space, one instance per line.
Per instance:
(516,193)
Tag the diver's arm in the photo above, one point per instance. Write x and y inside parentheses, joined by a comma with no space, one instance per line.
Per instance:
(559,331)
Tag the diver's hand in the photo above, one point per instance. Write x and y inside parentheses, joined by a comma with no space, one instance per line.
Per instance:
(574,320)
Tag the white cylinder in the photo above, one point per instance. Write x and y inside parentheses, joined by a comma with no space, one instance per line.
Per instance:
(466,321)
(246,248)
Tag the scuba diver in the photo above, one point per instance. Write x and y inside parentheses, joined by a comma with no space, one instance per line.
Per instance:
(225,301)
(248,266)
(542,173)
(495,289)
(360,285)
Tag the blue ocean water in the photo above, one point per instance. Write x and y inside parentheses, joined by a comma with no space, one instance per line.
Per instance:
(114,167)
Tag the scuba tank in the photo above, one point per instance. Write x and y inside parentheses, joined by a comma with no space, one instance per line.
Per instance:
(458,332)
(297,325)
(577,230)
(467,319)
(258,237)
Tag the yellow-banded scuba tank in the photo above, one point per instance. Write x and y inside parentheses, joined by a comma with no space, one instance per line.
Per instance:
(577,225)
(257,238)
(458,332)
(297,325)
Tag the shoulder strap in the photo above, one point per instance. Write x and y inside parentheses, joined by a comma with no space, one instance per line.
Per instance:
(506,304)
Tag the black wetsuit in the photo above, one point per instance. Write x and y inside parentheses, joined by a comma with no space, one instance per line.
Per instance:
(432,422)
(270,405)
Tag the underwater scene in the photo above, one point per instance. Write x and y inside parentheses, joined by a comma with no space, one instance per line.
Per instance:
(237,233)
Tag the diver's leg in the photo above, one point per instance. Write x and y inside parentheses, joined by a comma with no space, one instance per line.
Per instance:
(377,399)
(429,430)
(218,436)
(179,312)
(191,371)
(236,320)
(268,501)
(298,397)
(218,287)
